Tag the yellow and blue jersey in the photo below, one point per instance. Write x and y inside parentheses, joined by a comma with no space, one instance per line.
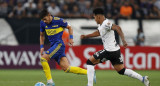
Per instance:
(54,30)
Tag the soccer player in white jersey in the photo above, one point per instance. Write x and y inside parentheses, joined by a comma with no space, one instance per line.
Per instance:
(111,49)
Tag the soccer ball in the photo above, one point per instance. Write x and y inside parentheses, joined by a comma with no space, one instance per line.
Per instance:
(40,84)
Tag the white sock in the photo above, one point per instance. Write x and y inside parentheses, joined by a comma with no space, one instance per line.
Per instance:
(90,74)
(50,81)
(133,74)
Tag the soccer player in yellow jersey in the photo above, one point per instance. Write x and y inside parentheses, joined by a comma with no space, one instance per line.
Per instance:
(54,27)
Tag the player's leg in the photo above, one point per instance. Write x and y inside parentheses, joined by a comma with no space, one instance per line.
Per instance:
(70,69)
(123,71)
(51,53)
(97,57)
(90,70)
(44,61)
(117,63)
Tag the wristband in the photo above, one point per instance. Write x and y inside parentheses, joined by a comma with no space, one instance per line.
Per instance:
(41,46)
(71,36)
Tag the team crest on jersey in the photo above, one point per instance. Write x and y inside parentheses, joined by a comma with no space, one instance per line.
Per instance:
(108,23)
(56,18)
(47,51)
(64,21)
(46,27)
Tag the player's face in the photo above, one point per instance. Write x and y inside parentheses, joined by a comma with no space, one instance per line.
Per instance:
(96,18)
(46,19)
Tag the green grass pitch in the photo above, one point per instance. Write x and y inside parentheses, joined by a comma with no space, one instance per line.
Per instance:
(104,78)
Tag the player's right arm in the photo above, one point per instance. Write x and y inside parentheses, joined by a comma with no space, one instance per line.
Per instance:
(94,34)
(42,38)
(120,32)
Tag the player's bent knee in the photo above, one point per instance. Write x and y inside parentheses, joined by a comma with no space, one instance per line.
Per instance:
(43,59)
(89,62)
(66,70)
(121,72)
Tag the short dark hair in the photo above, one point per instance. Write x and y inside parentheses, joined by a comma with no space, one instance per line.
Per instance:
(98,11)
(43,13)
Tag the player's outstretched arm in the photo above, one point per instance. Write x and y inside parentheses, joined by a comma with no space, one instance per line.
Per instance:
(70,35)
(42,38)
(119,31)
(94,34)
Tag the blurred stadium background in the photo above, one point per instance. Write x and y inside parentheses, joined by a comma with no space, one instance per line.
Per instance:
(19,40)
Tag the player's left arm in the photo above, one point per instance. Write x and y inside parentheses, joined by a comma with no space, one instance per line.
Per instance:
(120,32)
(70,30)
(66,25)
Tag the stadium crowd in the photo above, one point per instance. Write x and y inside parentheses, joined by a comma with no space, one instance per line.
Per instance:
(128,9)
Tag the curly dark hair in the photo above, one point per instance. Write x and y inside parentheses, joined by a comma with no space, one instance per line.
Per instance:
(98,11)
(43,13)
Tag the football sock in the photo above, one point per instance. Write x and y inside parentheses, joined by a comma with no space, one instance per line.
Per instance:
(46,69)
(90,74)
(76,70)
(133,74)
(50,81)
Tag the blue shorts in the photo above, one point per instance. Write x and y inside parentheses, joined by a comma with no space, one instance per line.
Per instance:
(57,51)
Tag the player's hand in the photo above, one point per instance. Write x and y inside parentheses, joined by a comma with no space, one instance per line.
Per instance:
(42,50)
(71,42)
(124,44)
(83,36)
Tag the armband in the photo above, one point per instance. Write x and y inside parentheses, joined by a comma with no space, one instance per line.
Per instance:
(71,36)
(41,46)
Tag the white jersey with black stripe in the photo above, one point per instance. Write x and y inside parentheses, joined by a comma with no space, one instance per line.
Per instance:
(108,36)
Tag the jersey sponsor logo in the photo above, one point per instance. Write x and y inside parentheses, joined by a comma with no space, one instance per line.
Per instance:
(55,26)
(50,32)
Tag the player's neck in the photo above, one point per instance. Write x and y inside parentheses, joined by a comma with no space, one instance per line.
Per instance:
(101,21)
